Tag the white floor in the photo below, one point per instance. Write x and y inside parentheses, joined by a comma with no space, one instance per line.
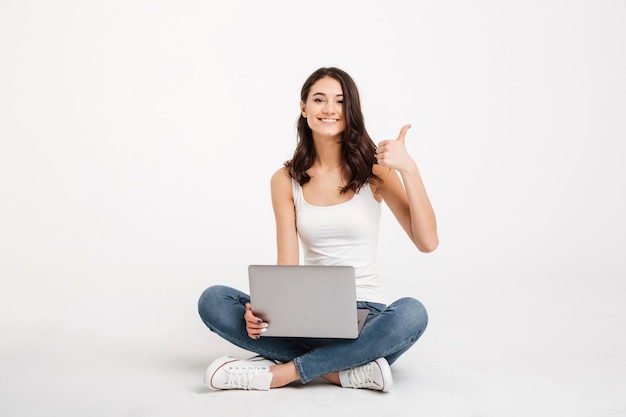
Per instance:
(143,354)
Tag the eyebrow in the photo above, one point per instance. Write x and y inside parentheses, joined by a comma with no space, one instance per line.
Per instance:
(324,94)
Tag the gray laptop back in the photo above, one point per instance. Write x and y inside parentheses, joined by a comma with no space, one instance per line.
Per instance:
(306,300)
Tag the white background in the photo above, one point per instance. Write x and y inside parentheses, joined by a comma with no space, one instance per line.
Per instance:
(137,139)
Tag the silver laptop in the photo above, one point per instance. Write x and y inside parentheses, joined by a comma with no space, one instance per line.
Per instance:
(306,300)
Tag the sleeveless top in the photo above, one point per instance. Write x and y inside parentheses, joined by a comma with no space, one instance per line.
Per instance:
(342,234)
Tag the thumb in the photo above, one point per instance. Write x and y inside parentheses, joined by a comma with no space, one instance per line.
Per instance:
(403,131)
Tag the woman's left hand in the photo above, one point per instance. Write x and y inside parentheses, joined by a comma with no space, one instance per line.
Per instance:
(393,154)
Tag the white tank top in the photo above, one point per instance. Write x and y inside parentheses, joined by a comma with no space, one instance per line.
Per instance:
(343,234)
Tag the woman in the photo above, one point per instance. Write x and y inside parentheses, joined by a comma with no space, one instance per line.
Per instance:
(336,170)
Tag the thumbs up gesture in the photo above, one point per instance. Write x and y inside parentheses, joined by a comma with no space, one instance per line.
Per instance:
(392,153)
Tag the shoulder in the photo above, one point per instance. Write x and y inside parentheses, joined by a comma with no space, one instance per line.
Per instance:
(385,174)
(281,180)
(281,176)
(380,171)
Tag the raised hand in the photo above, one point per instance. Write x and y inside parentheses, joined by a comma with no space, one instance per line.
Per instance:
(392,153)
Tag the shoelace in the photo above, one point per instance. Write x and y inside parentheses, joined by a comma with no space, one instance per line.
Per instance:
(243,377)
(361,377)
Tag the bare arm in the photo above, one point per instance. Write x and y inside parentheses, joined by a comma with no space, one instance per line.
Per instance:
(407,199)
(285,216)
(286,239)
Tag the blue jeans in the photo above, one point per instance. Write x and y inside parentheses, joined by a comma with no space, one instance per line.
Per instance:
(388,332)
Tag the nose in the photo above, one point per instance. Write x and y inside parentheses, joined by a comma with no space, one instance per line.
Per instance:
(329,107)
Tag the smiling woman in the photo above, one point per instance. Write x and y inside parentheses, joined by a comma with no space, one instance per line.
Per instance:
(327,199)
(325,107)
(331,94)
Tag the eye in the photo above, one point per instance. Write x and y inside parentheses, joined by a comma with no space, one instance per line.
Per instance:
(318,100)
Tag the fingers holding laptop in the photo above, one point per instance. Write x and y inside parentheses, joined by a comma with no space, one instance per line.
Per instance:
(254,325)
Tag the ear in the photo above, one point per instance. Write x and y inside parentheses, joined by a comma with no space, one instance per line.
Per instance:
(302,109)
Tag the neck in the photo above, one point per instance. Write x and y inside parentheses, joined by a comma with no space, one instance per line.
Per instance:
(328,152)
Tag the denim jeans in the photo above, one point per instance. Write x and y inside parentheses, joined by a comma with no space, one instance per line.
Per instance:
(388,332)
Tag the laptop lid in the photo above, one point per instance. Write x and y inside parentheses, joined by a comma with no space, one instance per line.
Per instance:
(306,300)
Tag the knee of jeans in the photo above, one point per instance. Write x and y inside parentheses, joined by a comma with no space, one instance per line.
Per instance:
(417,312)
(208,301)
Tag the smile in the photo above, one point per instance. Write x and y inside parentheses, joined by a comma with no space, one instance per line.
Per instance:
(329,120)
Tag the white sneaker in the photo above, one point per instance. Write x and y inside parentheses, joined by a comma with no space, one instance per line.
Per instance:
(232,373)
(374,375)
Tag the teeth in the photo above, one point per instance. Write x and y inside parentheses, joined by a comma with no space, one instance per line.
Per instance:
(329,120)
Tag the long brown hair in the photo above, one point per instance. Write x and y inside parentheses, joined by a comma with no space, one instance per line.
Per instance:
(357,147)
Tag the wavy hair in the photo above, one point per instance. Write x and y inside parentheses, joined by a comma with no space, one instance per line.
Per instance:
(357,147)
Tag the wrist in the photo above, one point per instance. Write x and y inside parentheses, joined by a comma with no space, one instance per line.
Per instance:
(409,168)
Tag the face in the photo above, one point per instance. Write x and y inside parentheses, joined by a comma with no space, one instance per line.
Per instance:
(323,109)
